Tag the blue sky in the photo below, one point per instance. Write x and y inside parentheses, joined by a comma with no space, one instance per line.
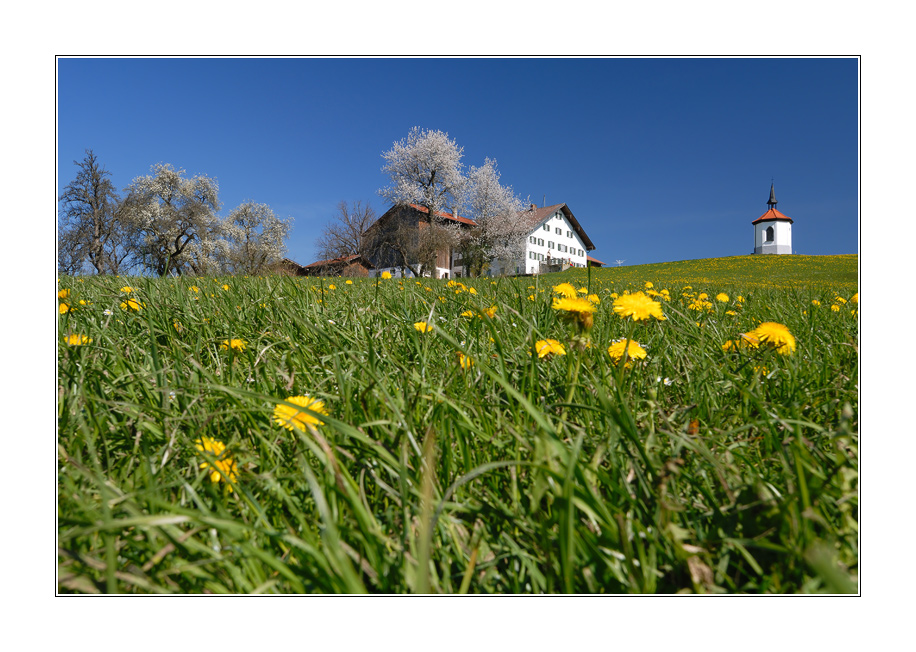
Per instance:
(660,159)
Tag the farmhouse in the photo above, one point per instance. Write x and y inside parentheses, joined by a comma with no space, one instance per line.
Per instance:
(396,234)
(555,241)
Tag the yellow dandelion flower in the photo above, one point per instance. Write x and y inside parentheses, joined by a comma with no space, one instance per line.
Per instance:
(77,340)
(740,299)
(699,304)
(649,285)
(423,327)
(128,289)
(577,310)
(465,361)
(467,313)
(194,289)
(835,308)
(491,312)
(634,351)
(854,298)
(815,302)
(776,336)
(349,282)
(332,287)
(703,296)
(225,287)
(131,304)
(594,299)
(565,289)
(722,297)
(63,294)
(548,347)
(290,417)
(840,300)
(63,308)
(220,465)
(472,290)
(582,290)
(638,306)
(574,305)
(731,313)
(235,344)
(386,275)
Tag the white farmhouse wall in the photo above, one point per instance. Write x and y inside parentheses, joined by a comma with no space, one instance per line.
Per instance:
(555,238)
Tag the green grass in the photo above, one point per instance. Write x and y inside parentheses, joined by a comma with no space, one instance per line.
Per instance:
(692,471)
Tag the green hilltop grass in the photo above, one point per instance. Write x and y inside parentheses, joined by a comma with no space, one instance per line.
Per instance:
(703,467)
(771,271)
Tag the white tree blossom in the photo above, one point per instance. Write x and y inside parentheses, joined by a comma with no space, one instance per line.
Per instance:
(171,213)
(501,228)
(256,238)
(425,169)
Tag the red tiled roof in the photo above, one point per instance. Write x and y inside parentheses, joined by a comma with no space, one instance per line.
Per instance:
(594,260)
(772,214)
(446,216)
(334,261)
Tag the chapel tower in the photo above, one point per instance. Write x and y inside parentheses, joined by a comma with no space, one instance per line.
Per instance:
(772,230)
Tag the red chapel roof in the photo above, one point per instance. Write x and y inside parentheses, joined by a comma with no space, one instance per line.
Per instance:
(773,215)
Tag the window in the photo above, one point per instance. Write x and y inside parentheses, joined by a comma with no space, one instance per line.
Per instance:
(769,234)
(581,253)
(559,231)
(547,227)
(541,242)
(532,239)
(569,234)
(550,244)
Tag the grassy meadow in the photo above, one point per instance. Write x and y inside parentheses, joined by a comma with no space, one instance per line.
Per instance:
(326,435)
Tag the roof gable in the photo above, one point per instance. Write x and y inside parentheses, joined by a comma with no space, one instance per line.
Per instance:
(537,216)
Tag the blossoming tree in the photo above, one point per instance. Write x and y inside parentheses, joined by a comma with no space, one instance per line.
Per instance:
(170,212)
(424,169)
(256,238)
(501,231)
